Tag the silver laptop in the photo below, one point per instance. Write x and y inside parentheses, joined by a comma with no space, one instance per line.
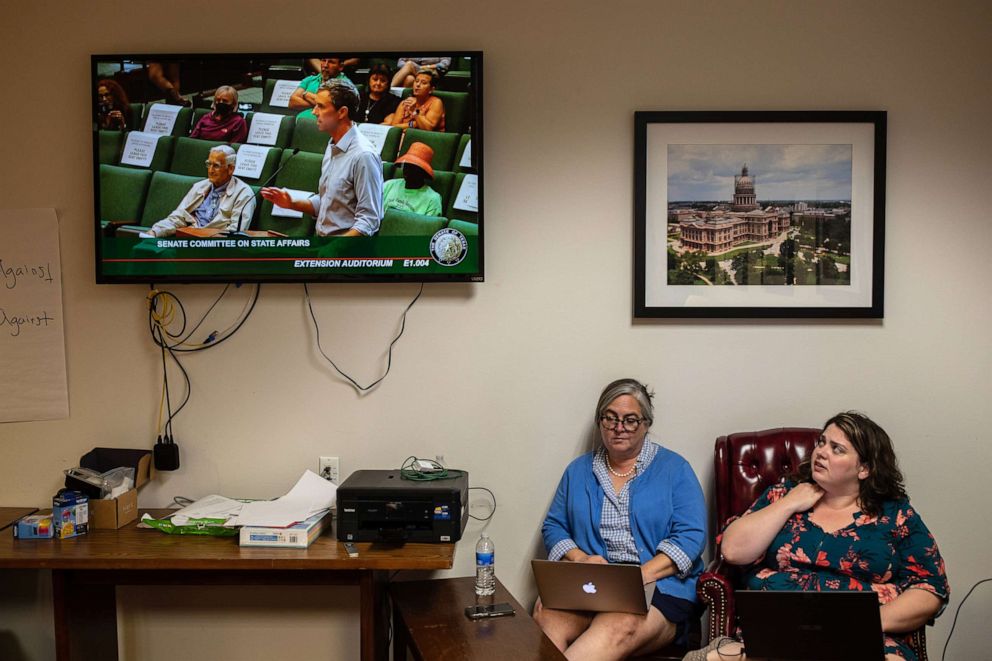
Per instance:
(592,587)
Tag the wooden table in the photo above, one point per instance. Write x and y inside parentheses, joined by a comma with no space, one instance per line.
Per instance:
(429,620)
(87,569)
(9,515)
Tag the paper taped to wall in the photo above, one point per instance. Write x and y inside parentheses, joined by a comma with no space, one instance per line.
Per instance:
(32,344)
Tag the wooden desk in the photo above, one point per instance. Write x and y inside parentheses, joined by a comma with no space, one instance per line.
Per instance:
(87,569)
(429,620)
(8,515)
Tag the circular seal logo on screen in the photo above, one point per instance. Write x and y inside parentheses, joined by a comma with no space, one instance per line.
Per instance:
(448,247)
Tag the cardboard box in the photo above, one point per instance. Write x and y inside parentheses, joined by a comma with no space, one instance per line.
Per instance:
(116,512)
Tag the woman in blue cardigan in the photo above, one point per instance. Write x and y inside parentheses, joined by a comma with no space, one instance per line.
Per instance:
(629,501)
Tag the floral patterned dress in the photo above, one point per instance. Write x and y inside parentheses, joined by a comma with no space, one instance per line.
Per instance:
(888,553)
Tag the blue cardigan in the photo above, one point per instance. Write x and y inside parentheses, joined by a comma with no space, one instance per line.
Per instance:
(666,503)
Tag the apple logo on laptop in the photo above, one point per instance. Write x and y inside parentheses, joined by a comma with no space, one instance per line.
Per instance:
(589,588)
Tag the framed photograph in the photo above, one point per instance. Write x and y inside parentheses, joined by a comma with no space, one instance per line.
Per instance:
(759,214)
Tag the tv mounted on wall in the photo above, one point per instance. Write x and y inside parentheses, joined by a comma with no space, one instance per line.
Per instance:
(244,167)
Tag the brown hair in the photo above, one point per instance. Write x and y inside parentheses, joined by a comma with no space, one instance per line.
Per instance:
(874,448)
(117,93)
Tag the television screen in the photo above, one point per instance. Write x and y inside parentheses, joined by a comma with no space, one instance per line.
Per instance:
(360,166)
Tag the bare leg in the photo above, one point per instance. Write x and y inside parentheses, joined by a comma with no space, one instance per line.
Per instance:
(405,72)
(562,627)
(619,635)
(166,78)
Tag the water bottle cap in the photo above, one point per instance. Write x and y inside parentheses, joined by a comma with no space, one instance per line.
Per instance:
(486,535)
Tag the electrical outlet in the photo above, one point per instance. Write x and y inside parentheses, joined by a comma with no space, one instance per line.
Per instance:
(329,468)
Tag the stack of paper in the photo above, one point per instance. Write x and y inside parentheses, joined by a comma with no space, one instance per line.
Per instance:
(310,496)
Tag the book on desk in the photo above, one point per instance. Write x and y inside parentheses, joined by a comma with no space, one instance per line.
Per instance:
(297,536)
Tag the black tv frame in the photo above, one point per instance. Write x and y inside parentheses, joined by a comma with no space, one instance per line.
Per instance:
(477,149)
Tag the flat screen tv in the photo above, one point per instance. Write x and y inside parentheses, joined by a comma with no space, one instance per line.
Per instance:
(276,167)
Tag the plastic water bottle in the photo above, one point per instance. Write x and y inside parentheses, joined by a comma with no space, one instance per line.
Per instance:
(485,557)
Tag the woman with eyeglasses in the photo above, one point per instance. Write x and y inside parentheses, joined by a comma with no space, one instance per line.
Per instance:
(628,501)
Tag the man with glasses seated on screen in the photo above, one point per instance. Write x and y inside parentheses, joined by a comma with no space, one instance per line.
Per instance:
(220,201)
(348,201)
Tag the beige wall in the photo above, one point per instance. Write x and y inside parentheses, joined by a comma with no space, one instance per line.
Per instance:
(500,377)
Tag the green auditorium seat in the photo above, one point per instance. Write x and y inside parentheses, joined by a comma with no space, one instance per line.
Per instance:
(443,144)
(306,136)
(285,134)
(162,156)
(302,173)
(459,76)
(136,115)
(164,195)
(111,143)
(462,145)
(459,214)
(466,228)
(442,183)
(456,119)
(189,156)
(267,106)
(406,223)
(388,169)
(272,160)
(183,119)
(122,193)
(391,145)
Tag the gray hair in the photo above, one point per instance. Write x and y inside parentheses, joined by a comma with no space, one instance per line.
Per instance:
(344,94)
(230,156)
(631,387)
(226,88)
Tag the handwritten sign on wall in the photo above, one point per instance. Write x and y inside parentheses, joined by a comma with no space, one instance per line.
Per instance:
(32,345)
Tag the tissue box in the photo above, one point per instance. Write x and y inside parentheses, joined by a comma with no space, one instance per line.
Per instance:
(116,512)
(70,514)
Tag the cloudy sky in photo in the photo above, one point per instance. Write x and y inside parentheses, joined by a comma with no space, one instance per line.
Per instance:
(780,172)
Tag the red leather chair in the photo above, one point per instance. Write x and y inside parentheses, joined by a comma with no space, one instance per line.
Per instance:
(744,465)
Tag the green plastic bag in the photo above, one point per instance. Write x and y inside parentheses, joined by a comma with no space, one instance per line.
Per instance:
(213,527)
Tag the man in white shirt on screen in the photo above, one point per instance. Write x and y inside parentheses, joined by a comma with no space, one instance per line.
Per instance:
(349,197)
(220,201)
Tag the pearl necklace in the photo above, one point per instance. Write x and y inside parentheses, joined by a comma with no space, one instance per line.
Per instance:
(609,467)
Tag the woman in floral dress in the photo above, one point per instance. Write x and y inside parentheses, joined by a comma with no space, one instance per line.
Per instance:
(843,523)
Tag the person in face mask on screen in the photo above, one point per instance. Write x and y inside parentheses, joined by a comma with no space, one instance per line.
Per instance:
(223,122)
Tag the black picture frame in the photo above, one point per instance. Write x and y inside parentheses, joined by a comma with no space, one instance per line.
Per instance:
(798,272)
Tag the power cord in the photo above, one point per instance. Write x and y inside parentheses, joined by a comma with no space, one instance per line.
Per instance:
(389,357)
(958,612)
(493,512)
(427,470)
(165,311)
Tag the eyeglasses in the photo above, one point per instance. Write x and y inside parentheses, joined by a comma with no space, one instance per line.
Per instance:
(211,166)
(630,422)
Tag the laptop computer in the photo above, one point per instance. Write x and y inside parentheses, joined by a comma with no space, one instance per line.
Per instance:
(810,626)
(586,586)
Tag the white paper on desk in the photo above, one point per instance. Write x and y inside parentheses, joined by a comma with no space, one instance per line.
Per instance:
(310,495)
(32,345)
(209,507)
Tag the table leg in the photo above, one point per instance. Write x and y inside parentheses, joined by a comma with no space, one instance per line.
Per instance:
(374,616)
(85,618)
(401,639)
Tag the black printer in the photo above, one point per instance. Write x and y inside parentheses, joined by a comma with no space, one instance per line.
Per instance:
(380,506)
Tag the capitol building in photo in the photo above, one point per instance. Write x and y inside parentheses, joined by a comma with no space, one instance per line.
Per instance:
(722,229)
